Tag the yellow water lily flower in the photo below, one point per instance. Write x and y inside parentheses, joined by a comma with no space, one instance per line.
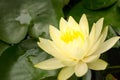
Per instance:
(74,48)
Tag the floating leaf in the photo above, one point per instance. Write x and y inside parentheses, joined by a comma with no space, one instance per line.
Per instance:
(11,31)
(40,13)
(44,13)
(3,47)
(15,64)
(24,17)
(98,4)
(29,43)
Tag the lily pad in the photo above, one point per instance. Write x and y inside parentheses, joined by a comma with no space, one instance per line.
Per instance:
(11,31)
(17,15)
(44,13)
(3,47)
(20,65)
(98,4)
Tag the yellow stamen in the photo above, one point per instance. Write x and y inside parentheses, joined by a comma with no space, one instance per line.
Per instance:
(69,35)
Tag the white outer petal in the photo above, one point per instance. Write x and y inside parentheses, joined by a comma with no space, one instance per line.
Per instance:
(83,50)
(54,33)
(104,34)
(84,24)
(72,23)
(99,25)
(81,69)
(63,25)
(52,49)
(91,58)
(92,38)
(93,48)
(97,65)
(107,45)
(66,73)
(49,64)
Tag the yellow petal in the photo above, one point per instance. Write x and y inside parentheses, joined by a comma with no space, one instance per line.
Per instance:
(93,48)
(54,33)
(66,73)
(99,25)
(91,58)
(84,24)
(71,62)
(67,48)
(63,25)
(107,45)
(97,65)
(51,49)
(81,69)
(74,49)
(98,43)
(49,64)
(72,22)
(83,50)
(92,35)
(104,34)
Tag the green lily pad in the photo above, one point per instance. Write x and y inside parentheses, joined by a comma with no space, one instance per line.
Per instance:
(15,64)
(24,17)
(17,15)
(3,47)
(98,4)
(11,31)
(29,43)
(44,13)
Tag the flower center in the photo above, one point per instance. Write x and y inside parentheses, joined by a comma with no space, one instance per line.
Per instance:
(69,35)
